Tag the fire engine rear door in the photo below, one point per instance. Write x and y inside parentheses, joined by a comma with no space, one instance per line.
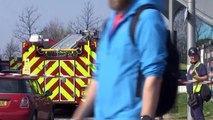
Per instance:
(67,83)
(51,82)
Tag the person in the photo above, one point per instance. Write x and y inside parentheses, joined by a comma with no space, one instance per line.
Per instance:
(198,72)
(119,63)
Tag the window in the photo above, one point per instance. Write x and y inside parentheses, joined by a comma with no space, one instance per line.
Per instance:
(10,86)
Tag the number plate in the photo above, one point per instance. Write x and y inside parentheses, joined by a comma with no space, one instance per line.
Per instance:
(3,103)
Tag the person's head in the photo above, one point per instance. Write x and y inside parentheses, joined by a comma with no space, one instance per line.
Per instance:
(119,5)
(193,55)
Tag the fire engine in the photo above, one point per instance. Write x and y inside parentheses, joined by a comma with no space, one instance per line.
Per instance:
(15,63)
(62,67)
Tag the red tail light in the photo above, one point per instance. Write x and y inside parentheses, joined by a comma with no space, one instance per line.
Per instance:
(25,103)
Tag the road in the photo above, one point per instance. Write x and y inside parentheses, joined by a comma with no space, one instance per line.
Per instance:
(65,114)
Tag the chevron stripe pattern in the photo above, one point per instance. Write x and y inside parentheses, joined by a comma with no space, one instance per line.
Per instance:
(60,75)
(15,63)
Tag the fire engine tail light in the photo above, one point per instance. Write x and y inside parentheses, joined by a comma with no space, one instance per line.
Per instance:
(25,103)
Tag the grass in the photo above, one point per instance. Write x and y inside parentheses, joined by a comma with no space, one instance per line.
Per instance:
(180,109)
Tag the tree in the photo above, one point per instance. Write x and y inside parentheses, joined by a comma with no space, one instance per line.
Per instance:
(180,27)
(87,20)
(12,49)
(26,25)
(55,31)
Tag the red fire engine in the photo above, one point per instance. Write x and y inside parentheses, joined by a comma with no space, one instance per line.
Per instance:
(62,67)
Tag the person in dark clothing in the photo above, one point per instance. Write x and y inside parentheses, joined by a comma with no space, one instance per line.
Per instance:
(198,73)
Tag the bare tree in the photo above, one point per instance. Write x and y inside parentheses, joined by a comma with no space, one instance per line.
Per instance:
(54,30)
(12,49)
(87,20)
(26,25)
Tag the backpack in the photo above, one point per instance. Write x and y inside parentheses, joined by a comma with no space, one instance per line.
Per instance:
(205,92)
(169,84)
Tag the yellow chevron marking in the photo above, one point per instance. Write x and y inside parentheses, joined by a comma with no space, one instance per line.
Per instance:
(81,69)
(32,62)
(67,68)
(71,86)
(38,68)
(90,52)
(19,64)
(12,61)
(85,60)
(93,54)
(29,52)
(80,82)
(93,67)
(66,94)
(51,83)
(54,93)
(52,68)
(40,80)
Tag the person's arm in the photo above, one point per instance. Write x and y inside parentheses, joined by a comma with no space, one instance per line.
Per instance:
(151,92)
(201,78)
(85,107)
(200,74)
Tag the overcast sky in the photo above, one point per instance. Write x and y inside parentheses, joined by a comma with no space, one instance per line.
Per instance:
(62,10)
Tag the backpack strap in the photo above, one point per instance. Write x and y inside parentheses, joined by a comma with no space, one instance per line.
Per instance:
(132,33)
(135,19)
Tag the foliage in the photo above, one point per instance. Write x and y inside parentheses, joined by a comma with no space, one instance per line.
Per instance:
(181,27)
(181,108)
(55,31)
(12,49)
(87,20)
(26,25)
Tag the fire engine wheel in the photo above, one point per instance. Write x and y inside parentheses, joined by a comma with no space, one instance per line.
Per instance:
(51,115)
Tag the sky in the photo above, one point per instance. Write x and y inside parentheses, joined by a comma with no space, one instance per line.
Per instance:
(62,10)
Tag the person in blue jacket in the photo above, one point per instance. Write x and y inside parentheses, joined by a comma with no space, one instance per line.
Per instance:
(119,63)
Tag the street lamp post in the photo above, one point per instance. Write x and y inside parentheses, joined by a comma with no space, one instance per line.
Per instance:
(190,38)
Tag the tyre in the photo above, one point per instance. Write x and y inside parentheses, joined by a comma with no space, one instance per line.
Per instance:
(51,115)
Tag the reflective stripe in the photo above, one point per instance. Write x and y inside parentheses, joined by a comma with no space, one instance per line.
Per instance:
(197,87)
(81,69)
(79,66)
(38,68)
(66,66)
(66,94)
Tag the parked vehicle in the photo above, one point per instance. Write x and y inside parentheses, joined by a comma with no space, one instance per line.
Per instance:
(64,67)
(21,98)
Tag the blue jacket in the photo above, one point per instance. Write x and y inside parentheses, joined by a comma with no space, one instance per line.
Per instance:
(118,61)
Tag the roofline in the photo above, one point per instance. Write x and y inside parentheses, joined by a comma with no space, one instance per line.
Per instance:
(200,14)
